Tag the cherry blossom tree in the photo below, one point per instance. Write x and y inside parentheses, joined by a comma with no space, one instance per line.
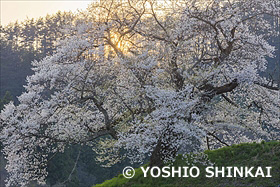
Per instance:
(153,78)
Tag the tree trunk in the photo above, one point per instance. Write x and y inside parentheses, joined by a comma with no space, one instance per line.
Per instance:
(156,157)
(164,150)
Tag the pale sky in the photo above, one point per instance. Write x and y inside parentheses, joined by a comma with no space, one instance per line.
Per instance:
(12,10)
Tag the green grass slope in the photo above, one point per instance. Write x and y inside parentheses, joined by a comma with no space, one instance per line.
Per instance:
(252,155)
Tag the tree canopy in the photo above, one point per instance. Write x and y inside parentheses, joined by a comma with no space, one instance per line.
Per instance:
(149,79)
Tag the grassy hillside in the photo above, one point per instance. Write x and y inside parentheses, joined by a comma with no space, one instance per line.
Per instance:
(264,154)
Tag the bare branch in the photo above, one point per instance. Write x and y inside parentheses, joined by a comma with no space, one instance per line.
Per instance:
(267,86)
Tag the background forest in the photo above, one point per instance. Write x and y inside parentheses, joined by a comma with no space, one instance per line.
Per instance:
(33,39)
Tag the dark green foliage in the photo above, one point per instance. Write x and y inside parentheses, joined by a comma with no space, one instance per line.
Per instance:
(22,43)
(6,99)
(15,66)
(87,172)
(61,167)
(251,155)
(273,68)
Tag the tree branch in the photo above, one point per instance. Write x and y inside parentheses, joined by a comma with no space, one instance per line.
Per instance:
(213,135)
(229,100)
(267,86)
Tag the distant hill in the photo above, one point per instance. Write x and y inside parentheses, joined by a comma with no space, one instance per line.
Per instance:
(248,154)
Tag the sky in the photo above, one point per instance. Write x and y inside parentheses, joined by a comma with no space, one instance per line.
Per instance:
(12,10)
